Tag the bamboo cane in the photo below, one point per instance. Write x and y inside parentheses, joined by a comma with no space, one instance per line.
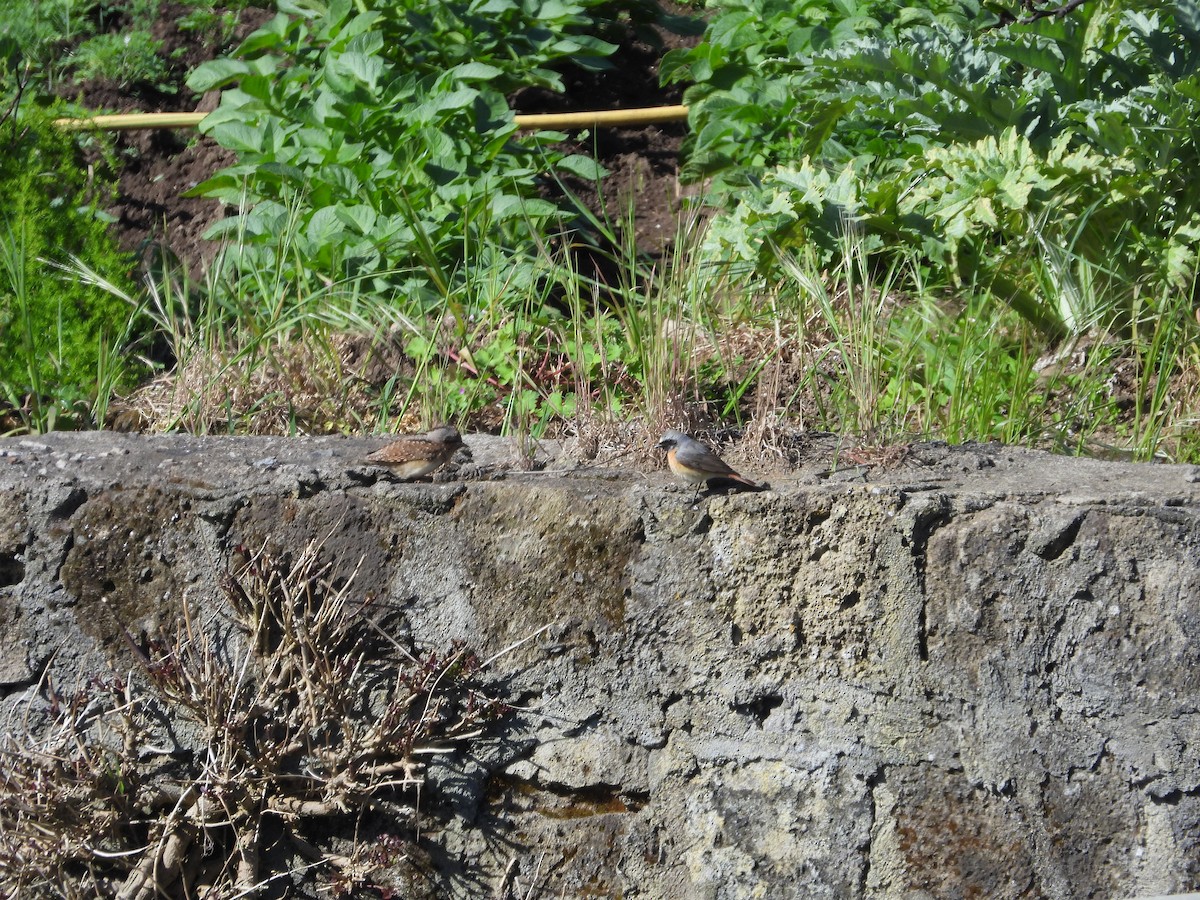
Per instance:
(608,118)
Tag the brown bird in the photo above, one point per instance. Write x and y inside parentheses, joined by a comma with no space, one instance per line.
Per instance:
(414,455)
(694,463)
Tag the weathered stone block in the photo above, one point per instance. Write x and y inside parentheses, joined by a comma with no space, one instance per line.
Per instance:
(975,676)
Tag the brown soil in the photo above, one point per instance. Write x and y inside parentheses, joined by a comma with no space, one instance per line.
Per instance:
(642,162)
(162,165)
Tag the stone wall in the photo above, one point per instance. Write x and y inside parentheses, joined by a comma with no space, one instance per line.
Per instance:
(972,675)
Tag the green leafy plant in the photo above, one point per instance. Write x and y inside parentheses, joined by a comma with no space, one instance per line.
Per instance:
(215,25)
(996,150)
(48,47)
(30,35)
(752,86)
(124,59)
(386,134)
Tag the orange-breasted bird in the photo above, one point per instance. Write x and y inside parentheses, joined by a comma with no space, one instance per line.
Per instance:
(414,455)
(693,462)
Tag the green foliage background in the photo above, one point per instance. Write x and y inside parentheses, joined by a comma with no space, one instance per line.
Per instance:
(56,333)
(379,138)
(993,149)
(964,219)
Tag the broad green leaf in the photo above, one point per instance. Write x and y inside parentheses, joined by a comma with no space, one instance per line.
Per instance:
(366,69)
(324,226)
(583,166)
(508,206)
(270,35)
(474,71)
(361,217)
(215,73)
(246,138)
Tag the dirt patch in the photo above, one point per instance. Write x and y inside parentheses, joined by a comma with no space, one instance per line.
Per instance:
(151,202)
(642,162)
(160,165)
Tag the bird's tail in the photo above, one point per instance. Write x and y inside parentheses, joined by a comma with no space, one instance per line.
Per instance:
(747,483)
